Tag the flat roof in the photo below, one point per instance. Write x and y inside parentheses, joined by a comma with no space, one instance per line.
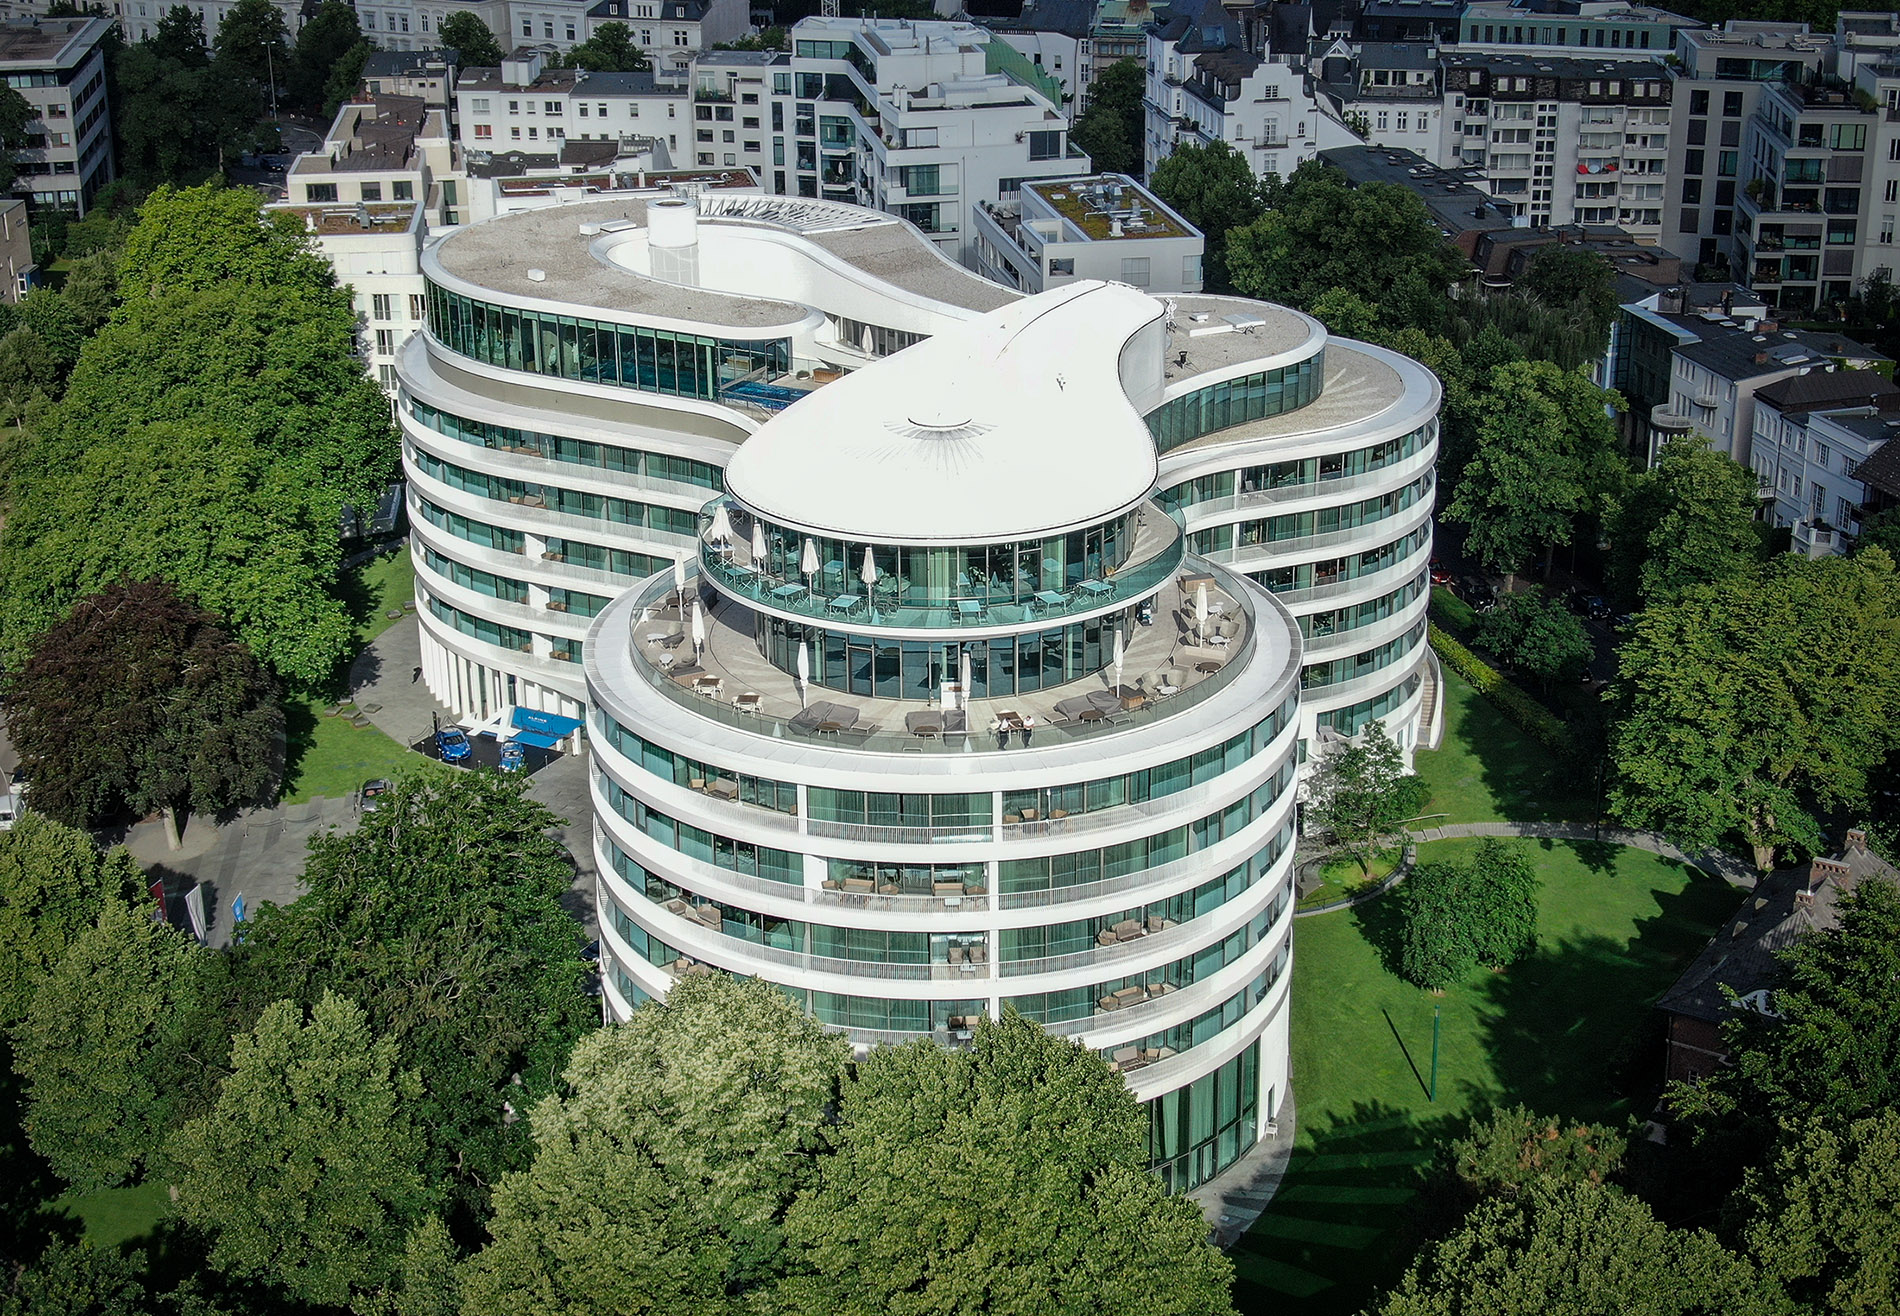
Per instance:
(44,42)
(1093,205)
(1359,387)
(1258,330)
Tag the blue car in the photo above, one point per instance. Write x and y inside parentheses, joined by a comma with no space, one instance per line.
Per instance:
(452,745)
(513,758)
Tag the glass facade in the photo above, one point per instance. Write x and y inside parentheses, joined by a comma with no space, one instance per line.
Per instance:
(1236,401)
(1316,676)
(579,452)
(1337,621)
(600,352)
(1292,527)
(1288,477)
(482,582)
(744,857)
(1352,719)
(1338,570)
(675,521)
(480,628)
(1197,1130)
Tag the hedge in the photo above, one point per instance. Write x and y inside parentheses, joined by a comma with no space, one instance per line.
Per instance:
(1548,729)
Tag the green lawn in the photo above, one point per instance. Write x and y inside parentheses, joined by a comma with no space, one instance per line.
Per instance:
(1569,1031)
(112,1216)
(1487,770)
(328,756)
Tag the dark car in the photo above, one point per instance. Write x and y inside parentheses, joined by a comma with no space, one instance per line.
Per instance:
(1477,591)
(513,758)
(452,745)
(370,798)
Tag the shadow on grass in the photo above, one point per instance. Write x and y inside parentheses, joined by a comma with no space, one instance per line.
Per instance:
(1382,923)
(1597,856)
(1337,1233)
(27,1183)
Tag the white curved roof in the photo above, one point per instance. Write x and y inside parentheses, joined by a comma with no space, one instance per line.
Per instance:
(1010,425)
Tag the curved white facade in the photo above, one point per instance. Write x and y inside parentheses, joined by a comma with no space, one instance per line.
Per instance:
(966,535)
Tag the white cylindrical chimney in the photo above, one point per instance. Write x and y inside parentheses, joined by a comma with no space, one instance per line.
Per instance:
(672,222)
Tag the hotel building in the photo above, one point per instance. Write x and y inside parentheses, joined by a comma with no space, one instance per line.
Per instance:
(942,649)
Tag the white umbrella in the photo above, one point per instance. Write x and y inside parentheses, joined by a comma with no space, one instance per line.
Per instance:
(869,576)
(699,629)
(679,577)
(1118,657)
(1200,610)
(758,546)
(804,672)
(808,561)
(963,679)
(721,531)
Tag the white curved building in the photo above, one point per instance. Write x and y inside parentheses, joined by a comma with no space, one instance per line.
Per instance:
(814,790)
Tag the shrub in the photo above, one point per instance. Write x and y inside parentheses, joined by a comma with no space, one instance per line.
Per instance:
(1525,712)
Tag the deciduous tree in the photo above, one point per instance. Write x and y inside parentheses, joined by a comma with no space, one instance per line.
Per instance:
(1751,704)
(1458,915)
(662,1181)
(1110,128)
(1536,635)
(471,39)
(53,882)
(1509,1152)
(611,49)
(928,1141)
(1215,189)
(140,699)
(325,38)
(1502,895)
(1687,521)
(1360,792)
(306,1172)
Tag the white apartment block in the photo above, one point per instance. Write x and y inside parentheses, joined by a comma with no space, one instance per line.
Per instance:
(1393,91)
(1811,434)
(58,66)
(1106,227)
(526,106)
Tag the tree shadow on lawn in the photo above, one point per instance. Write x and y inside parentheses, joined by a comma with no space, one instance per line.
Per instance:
(1596,856)
(28,1221)
(1490,754)
(1338,1231)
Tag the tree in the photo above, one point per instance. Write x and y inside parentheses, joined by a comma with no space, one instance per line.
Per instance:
(1580,1249)
(1456,916)
(1537,636)
(306,1172)
(175,116)
(1213,188)
(199,239)
(345,76)
(1318,233)
(662,1181)
(925,1144)
(1823,1215)
(139,699)
(441,915)
(252,43)
(1502,899)
(180,36)
(1749,705)
(1361,791)
(53,883)
(1544,450)
(322,42)
(1882,531)
(120,1046)
(611,49)
(1110,128)
(1831,1052)
(1580,283)
(472,41)
(15,115)
(76,1279)
(1689,520)
(1510,1152)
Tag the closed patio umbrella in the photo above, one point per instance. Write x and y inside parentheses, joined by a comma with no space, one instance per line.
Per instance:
(758,546)
(1118,657)
(808,561)
(699,629)
(721,530)
(804,672)
(869,576)
(963,678)
(679,578)
(1200,610)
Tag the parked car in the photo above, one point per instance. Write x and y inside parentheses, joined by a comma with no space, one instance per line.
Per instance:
(1441,574)
(1477,591)
(451,745)
(1597,607)
(370,798)
(513,758)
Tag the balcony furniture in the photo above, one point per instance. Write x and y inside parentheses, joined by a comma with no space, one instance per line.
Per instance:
(1088,715)
(1207,668)
(862,885)
(1131,995)
(1128,927)
(1155,924)
(707,685)
(846,605)
(1012,817)
(1098,590)
(1106,938)
(710,916)
(971,610)
(1108,1003)
(955,955)
(664,661)
(790,592)
(1126,1054)
(890,889)
(723,789)
(946,888)
(829,728)
(1191,582)
(676,906)
(978,954)
(1057,815)
(1049,598)
(748,702)
(696,783)
(923,724)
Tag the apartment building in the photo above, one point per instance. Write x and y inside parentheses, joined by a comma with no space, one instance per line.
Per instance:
(1565,140)
(58,66)
(1106,226)
(526,106)
(426,75)
(16,251)
(1056,37)
(672,32)
(1390,93)
(1812,432)
(1569,27)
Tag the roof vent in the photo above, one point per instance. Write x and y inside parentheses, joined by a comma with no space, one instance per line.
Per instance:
(537,276)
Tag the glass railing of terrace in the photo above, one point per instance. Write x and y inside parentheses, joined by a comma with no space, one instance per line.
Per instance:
(944,586)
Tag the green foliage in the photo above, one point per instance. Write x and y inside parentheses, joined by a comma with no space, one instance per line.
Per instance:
(306,1172)
(15,115)
(53,883)
(180,35)
(440,915)
(772,38)
(1457,916)
(1214,189)
(1579,1249)
(1519,707)
(196,239)
(1560,310)
(1544,451)
(322,42)
(345,76)
(928,1142)
(1377,240)
(1110,128)
(74,1279)
(252,41)
(120,1046)
(1881,531)
(1360,792)
(1536,635)
(1507,1152)
(611,49)
(140,700)
(471,39)
(662,1181)
(1823,1215)
(1690,520)
(1750,705)
(1833,1052)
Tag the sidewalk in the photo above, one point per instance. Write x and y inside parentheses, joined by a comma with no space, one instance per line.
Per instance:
(1725,866)
(1236,1197)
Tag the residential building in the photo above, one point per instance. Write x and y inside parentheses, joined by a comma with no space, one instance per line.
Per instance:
(732,104)
(1106,227)
(672,32)
(1565,140)
(426,75)
(1390,93)
(1691,360)
(58,66)
(1455,197)
(1715,89)
(1812,432)
(1055,36)
(1433,22)
(1240,76)
(526,106)
(1739,968)
(16,251)
(1569,27)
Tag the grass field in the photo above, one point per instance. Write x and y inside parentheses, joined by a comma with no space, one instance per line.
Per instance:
(1569,1031)
(112,1216)
(1487,770)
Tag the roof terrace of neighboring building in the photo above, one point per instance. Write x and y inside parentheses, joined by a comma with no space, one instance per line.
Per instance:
(49,42)
(375,135)
(1103,208)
